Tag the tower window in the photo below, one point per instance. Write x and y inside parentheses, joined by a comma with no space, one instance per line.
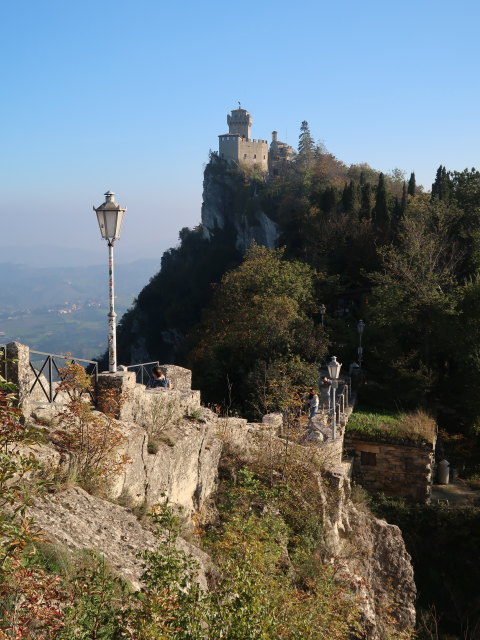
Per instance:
(255,155)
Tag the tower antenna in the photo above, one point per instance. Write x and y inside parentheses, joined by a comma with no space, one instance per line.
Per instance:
(239,106)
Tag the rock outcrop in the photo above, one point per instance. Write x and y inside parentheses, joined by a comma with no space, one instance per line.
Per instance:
(73,519)
(175,449)
(221,209)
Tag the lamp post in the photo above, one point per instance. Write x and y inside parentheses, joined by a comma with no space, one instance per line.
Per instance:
(334,373)
(110,218)
(322,310)
(360,328)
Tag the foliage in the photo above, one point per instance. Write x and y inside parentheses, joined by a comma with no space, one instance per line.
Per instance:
(171,604)
(93,440)
(28,597)
(263,308)
(444,544)
(16,464)
(274,590)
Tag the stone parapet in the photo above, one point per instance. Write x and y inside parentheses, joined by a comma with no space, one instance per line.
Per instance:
(150,406)
(181,378)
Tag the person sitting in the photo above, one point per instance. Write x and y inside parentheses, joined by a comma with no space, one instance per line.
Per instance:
(158,379)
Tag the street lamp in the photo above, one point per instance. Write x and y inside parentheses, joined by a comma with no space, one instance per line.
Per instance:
(334,373)
(360,328)
(110,218)
(322,309)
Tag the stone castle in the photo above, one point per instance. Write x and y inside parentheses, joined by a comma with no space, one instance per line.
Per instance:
(238,147)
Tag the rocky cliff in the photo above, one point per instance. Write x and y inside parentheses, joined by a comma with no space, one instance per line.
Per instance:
(231,202)
(172,302)
(191,444)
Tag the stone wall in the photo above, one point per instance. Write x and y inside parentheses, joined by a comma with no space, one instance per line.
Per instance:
(243,150)
(400,470)
(144,406)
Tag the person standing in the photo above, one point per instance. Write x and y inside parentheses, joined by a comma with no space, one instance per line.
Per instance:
(325,387)
(313,402)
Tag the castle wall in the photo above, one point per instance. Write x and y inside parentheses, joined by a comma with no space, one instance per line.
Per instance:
(240,150)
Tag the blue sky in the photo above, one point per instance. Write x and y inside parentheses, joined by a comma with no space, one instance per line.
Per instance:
(130,96)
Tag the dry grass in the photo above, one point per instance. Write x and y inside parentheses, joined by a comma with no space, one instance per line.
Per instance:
(417,426)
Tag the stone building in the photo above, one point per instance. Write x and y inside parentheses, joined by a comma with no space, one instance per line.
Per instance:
(400,469)
(280,153)
(238,147)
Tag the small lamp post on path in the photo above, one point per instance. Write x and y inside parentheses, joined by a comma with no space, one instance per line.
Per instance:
(360,328)
(334,373)
(110,218)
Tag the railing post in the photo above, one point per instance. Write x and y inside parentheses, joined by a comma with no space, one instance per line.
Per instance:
(50,379)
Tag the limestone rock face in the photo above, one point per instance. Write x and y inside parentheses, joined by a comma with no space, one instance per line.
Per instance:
(184,466)
(369,553)
(220,210)
(372,557)
(76,520)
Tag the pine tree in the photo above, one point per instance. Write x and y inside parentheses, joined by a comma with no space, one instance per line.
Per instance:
(306,145)
(411,185)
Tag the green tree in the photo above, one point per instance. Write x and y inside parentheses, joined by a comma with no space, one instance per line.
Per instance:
(366,201)
(306,145)
(261,312)
(380,210)
(411,185)
(413,295)
(442,187)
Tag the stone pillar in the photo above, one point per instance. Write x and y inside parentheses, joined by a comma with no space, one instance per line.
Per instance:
(113,393)
(181,378)
(18,369)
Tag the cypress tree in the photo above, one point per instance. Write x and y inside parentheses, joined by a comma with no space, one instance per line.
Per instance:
(411,185)
(366,202)
(328,201)
(442,187)
(403,204)
(348,197)
(380,210)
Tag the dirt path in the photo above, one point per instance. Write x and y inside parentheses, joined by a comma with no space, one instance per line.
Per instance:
(457,494)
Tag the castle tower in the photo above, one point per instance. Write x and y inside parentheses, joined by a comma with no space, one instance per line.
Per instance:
(240,122)
(237,147)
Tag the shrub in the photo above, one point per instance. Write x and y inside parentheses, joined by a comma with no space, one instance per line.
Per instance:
(94,440)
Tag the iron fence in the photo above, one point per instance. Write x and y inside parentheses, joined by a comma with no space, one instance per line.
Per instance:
(47,376)
(3,362)
(142,373)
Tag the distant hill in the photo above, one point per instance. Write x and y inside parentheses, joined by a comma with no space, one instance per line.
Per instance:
(59,309)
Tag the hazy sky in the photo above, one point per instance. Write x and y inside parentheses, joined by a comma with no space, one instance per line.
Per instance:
(131,95)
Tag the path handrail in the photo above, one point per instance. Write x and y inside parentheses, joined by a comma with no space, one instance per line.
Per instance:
(143,370)
(50,370)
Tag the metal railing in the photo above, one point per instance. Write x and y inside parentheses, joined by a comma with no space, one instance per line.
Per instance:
(3,361)
(47,373)
(143,375)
